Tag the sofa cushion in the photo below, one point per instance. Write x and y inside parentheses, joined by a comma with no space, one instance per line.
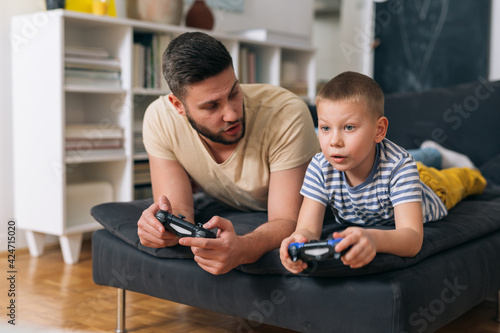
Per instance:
(120,218)
(456,117)
(491,170)
(468,220)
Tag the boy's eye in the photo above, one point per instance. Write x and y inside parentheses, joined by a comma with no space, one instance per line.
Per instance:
(325,128)
(349,127)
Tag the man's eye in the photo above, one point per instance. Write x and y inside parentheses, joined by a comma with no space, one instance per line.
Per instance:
(211,106)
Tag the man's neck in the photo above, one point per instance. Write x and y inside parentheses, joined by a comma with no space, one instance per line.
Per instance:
(220,152)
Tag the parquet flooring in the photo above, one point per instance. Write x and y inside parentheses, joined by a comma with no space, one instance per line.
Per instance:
(54,297)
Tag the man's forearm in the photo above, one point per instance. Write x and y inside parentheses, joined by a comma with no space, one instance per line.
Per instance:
(265,238)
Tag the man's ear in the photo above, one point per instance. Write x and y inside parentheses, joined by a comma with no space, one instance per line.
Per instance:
(382,125)
(177,104)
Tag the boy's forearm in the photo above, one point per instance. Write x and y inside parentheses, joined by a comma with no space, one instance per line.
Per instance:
(403,242)
(310,222)
(307,233)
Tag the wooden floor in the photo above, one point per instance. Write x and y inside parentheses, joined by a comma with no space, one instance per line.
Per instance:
(54,297)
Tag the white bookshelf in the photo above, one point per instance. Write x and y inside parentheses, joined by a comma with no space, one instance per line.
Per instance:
(55,188)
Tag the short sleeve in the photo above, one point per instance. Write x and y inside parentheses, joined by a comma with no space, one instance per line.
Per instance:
(155,132)
(293,140)
(313,186)
(405,184)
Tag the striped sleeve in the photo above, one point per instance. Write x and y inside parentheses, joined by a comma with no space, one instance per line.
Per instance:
(314,186)
(405,185)
(434,208)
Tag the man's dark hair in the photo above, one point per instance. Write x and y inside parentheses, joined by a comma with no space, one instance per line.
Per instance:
(193,57)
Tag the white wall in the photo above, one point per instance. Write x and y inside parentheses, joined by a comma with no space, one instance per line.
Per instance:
(290,16)
(326,40)
(357,29)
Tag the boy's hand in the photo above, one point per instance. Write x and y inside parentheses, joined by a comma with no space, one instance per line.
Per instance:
(297,266)
(363,248)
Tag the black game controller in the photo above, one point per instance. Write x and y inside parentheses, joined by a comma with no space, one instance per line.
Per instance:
(315,250)
(182,228)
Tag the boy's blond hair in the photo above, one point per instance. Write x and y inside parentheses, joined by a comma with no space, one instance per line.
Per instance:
(354,87)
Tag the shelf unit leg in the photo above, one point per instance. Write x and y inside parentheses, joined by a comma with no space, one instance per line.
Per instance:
(36,242)
(71,246)
(120,311)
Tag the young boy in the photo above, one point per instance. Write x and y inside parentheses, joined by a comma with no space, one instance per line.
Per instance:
(367,179)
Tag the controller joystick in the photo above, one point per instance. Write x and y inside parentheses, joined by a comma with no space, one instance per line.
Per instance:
(182,228)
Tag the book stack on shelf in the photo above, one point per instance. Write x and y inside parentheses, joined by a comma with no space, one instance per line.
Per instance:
(142,175)
(290,79)
(139,149)
(142,180)
(148,52)
(93,139)
(249,66)
(91,67)
(299,88)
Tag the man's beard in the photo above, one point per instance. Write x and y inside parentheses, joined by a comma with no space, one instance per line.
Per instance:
(217,137)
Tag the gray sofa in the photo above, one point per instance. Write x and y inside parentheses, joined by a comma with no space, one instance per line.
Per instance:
(457,268)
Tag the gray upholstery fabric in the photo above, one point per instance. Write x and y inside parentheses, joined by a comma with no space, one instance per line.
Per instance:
(467,221)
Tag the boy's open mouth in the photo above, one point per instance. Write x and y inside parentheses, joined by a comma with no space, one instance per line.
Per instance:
(338,158)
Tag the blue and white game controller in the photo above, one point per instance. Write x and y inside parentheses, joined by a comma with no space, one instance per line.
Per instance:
(315,250)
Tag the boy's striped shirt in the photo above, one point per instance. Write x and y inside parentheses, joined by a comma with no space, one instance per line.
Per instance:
(394,180)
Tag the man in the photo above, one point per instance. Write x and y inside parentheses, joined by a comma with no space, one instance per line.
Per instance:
(247,146)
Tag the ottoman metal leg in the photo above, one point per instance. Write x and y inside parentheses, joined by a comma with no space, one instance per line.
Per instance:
(120,311)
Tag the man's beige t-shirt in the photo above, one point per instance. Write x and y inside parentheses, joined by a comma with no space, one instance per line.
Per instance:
(279,136)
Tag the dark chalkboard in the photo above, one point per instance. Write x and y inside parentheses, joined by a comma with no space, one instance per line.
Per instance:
(431,43)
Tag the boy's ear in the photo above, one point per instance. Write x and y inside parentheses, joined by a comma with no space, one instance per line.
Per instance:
(382,125)
(179,107)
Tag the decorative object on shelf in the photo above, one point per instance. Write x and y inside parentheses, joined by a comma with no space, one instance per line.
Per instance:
(236,6)
(200,16)
(55,4)
(160,11)
(87,6)
(100,7)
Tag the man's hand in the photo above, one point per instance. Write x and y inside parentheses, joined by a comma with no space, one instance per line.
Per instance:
(151,232)
(220,255)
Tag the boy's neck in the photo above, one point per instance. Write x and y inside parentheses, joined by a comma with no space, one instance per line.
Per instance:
(357,176)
